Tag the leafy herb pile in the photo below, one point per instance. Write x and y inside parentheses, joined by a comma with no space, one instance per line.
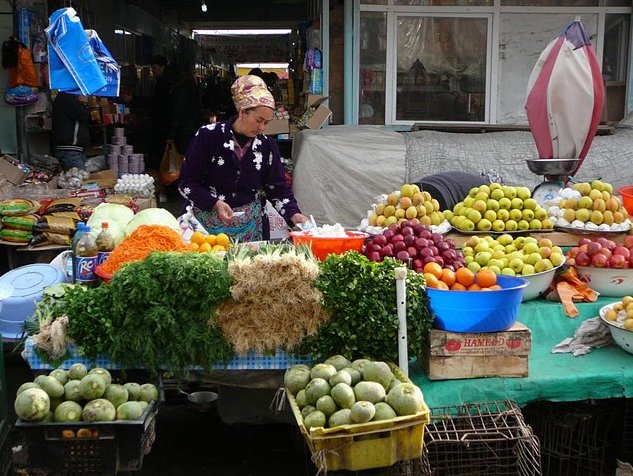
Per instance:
(361,297)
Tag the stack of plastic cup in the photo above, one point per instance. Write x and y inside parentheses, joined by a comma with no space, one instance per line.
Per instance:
(127,149)
(113,163)
(119,140)
(123,165)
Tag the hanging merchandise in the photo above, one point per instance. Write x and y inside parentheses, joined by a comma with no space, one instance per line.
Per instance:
(16,58)
(74,65)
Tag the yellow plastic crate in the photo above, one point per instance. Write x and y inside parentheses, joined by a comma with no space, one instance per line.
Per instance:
(360,446)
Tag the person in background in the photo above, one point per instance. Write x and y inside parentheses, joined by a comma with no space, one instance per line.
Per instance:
(185,111)
(232,168)
(70,133)
(159,112)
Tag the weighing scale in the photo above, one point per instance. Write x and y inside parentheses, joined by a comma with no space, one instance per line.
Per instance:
(555,172)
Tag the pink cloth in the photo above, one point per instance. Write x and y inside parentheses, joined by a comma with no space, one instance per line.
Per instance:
(251,91)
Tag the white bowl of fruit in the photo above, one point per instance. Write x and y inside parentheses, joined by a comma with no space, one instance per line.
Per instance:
(619,318)
(606,265)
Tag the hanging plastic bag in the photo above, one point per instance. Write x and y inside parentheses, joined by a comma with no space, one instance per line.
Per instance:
(109,67)
(170,165)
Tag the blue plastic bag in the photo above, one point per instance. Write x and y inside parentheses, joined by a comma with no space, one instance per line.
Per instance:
(109,67)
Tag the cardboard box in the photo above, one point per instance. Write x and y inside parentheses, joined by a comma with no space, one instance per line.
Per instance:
(312,99)
(10,172)
(320,117)
(277,126)
(104,179)
(452,355)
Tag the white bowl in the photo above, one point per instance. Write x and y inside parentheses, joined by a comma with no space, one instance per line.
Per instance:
(623,337)
(608,281)
(538,282)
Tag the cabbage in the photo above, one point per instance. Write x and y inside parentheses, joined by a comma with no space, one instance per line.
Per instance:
(114,211)
(153,216)
(116,229)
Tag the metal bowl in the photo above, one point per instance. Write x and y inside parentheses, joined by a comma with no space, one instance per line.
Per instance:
(551,166)
(203,402)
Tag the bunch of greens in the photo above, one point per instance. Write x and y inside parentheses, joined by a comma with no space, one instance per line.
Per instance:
(361,297)
(162,311)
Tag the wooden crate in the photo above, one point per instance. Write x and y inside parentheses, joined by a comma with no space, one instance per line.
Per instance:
(452,355)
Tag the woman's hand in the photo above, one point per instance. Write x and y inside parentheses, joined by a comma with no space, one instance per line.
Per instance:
(225,212)
(299,218)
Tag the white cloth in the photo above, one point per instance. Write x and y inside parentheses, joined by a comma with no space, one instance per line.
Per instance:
(592,333)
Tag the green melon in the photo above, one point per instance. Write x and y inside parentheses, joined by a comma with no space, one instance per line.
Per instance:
(378,372)
(25,386)
(52,386)
(406,399)
(130,411)
(341,417)
(92,386)
(71,391)
(369,391)
(384,412)
(355,373)
(133,390)
(324,371)
(343,395)
(326,405)
(77,371)
(68,411)
(116,394)
(103,373)
(99,409)
(148,392)
(362,412)
(33,404)
(296,379)
(316,389)
(342,376)
(60,374)
(338,361)
(315,419)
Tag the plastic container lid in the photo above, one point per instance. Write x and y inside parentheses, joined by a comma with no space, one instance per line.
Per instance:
(26,284)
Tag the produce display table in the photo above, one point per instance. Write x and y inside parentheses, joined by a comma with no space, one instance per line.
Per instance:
(603,373)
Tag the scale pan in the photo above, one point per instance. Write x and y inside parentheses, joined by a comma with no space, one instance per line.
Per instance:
(551,166)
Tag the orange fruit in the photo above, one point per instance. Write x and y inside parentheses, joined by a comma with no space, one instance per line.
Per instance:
(197,237)
(204,247)
(486,278)
(465,277)
(474,287)
(458,287)
(222,239)
(495,287)
(194,246)
(448,276)
(431,280)
(211,239)
(433,268)
(487,289)
(442,285)
(218,248)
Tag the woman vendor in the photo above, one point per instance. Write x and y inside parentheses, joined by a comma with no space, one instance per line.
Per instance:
(231,168)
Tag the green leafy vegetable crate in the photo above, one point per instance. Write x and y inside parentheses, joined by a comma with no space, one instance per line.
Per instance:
(361,446)
(96,449)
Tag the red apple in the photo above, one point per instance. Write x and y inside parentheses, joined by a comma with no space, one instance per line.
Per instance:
(628,241)
(403,256)
(594,248)
(388,234)
(571,261)
(622,250)
(387,250)
(618,262)
(375,256)
(380,240)
(397,238)
(584,241)
(607,252)
(599,260)
(583,259)
(399,246)
(610,245)
(573,252)
(412,251)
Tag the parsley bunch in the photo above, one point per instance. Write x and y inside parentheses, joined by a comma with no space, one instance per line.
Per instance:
(361,296)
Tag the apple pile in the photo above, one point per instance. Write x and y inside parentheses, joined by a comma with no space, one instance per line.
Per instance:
(416,242)
(405,204)
(602,253)
(589,206)
(499,208)
(520,256)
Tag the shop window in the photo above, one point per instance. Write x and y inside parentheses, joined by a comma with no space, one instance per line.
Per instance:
(441,68)
(550,3)
(373,41)
(615,62)
(449,3)
(374,2)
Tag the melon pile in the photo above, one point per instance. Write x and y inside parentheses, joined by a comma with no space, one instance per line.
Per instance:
(339,392)
(77,394)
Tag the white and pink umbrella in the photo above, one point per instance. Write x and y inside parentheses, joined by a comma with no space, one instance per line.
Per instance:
(565,96)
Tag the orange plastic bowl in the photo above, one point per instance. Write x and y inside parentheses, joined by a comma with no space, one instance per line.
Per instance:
(627,198)
(322,246)
(105,276)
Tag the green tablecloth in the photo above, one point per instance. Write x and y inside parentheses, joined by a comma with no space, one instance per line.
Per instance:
(603,373)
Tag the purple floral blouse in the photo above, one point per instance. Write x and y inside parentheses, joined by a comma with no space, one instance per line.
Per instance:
(212,171)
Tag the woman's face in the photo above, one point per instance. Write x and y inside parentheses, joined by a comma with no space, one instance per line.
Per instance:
(253,121)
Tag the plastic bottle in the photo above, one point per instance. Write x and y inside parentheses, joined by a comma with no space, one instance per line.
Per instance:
(105,243)
(86,259)
(79,232)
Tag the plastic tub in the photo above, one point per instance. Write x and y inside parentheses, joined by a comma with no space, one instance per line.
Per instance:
(478,311)
(608,281)
(627,198)
(623,337)
(322,246)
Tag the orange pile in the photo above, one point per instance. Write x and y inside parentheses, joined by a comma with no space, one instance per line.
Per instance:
(461,280)
(203,243)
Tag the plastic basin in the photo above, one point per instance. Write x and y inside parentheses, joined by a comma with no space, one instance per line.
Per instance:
(623,337)
(322,246)
(478,311)
(627,198)
(608,281)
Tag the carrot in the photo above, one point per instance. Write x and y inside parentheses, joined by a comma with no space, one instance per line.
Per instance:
(144,240)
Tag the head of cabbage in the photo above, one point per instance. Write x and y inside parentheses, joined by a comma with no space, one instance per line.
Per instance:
(152,216)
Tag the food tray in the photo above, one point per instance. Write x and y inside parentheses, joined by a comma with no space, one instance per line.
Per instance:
(502,232)
(584,231)
(361,446)
(112,447)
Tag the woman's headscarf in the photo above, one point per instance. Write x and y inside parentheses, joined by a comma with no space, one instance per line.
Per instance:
(251,91)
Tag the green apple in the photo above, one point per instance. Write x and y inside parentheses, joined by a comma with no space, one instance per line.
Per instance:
(499,263)
(473,191)
(496,194)
(583,214)
(523,193)
(485,189)
(503,214)
(530,239)
(516,214)
(492,204)
(473,215)
(527,214)
(484,225)
(511,225)
(530,247)
(516,264)
(498,254)
(516,203)
(557,259)
(543,265)
(508,272)
(468,202)
(557,249)
(533,258)
(510,248)
(509,192)
(468,251)
(495,269)
(498,225)
(535,224)
(494,186)
(527,270)
(473,266)
(523,225)
(483,196)
(540,213)
(469,259)
(490,215)
(505,239)
(483,257)
(482,245)
(505,203)
(530,204)
(448,215)
(480,206)
(520,241)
